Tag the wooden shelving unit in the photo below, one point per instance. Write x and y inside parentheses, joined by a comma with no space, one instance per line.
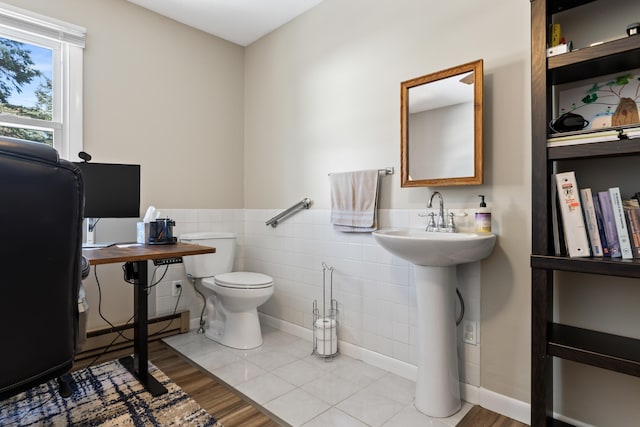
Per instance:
(550,339)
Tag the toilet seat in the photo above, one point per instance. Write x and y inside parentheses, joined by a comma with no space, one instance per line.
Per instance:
(242,280)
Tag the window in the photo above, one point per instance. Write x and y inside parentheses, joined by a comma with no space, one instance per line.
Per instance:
(41,80)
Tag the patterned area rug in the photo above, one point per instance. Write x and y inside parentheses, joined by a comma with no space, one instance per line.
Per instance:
(104,395)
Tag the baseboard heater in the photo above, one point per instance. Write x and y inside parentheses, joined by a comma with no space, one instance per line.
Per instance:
(99,340)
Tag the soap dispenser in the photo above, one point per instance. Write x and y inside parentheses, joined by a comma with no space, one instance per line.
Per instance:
(483,217)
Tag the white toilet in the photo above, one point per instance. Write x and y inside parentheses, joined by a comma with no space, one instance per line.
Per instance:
(232,298)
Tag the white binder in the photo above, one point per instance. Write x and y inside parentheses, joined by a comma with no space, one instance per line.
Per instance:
(575,233)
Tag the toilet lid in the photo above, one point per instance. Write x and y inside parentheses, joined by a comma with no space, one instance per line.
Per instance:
(243,280)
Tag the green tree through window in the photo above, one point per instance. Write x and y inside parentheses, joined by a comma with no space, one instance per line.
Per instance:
(25,89)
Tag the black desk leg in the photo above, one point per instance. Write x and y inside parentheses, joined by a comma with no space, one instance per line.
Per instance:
(138,365)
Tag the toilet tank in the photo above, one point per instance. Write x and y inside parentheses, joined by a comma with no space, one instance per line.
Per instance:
(208,265)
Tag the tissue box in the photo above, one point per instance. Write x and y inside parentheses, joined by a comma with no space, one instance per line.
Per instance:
(142,232)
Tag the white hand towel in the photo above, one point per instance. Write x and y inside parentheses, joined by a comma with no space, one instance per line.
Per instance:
(354,198)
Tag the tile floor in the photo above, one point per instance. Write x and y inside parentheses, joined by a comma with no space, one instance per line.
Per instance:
(304,390)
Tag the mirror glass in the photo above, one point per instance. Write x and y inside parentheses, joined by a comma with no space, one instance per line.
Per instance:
(441,127)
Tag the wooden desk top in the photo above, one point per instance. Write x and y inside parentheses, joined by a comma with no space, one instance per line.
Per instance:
(141,252)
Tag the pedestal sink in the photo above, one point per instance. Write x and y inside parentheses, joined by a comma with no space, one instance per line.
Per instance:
(435,256)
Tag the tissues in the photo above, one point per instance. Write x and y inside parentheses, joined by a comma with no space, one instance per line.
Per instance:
(142,228)
(151,214)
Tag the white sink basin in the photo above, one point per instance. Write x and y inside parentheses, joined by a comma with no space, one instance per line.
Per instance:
(435,256)
(435,249)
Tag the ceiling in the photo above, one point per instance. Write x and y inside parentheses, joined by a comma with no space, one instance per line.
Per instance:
(238,21)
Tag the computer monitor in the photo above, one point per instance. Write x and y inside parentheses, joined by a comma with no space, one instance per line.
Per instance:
(111,190)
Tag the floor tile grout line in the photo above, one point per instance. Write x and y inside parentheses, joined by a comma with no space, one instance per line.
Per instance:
(244,356)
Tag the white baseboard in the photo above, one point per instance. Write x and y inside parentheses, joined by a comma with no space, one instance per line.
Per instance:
(507,406)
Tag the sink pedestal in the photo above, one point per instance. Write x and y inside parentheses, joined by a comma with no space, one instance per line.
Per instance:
(437,384)
(434,257)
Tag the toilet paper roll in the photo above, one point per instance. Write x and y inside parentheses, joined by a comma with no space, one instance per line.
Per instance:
(326,334)
(326,329)
(325,323)
(327,347)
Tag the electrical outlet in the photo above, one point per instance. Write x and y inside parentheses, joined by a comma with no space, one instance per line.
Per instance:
(469,332)
(176,288)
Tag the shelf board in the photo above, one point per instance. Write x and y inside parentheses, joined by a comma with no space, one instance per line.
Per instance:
(608,351)
(591,265)
(562,5)
(607,58)
(557,423)
(595,149)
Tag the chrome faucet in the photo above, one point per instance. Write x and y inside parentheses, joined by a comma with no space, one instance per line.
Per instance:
(441,226)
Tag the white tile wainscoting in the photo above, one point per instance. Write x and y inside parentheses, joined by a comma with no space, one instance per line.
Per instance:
(375,290)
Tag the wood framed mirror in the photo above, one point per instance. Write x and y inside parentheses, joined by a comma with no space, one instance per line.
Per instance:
(441,127)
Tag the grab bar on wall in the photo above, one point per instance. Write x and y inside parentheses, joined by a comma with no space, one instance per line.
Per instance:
(303,204)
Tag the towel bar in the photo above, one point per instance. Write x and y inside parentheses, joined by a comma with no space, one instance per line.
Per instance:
(303,204)
(387,171)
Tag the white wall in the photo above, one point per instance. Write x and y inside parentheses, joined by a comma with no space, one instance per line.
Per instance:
(251,131)
(165,96)
(322,95)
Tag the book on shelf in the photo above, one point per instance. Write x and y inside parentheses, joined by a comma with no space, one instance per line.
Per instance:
(583,137)
(609,224)
(631,132)
(621,223)
(590,136)
(591,222)
(632,215)
(556,223)
(575,233)
(600,222)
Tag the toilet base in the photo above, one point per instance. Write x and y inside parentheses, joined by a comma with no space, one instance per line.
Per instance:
(239,330)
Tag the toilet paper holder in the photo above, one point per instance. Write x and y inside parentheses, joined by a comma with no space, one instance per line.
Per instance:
(325,323)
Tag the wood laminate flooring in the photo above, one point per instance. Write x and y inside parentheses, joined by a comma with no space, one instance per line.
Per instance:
(234,410)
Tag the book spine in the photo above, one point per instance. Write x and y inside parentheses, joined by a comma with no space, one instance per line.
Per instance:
(632,216)
(590,221)
(600,221)
(609,224)
(575,232)
(621,223)
(556,228)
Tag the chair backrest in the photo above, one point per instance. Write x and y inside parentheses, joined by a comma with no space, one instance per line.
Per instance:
(41,205)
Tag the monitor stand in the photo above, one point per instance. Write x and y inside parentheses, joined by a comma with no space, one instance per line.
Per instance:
(90,243)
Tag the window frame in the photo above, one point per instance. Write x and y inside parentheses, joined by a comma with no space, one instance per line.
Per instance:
(67,44)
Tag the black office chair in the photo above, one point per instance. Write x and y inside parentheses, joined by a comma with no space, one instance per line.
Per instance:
(41,205)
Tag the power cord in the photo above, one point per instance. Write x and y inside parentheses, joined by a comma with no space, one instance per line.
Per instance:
(95,274)
(108,347)
(130,281)
(459,319)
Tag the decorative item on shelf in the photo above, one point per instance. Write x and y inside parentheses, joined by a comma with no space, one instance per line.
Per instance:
(633,29)
(608,101)
(555,35)
(569,122)
(561,48)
